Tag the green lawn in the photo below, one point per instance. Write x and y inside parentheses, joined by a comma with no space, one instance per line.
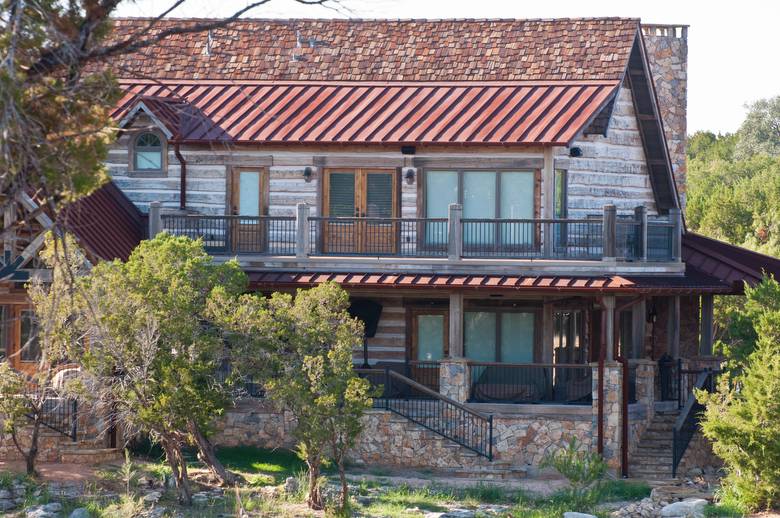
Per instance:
(278,464)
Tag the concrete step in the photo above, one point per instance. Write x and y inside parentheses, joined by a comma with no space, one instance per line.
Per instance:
(90,456)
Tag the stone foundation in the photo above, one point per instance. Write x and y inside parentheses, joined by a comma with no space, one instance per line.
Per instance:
(699,455)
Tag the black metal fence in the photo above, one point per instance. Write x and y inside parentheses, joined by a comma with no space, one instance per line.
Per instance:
(660,239)
(244,386)
(531,383)
(628,239)
(687,422)
(57,411)
(675,382)
(271,235)
(408,237)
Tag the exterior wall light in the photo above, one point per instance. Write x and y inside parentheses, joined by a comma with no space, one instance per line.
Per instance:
(307,173)
(575,152)
(409,175)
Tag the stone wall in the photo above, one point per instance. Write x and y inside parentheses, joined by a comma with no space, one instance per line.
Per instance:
(699,455)
(667,51)
(641,413)
(612,403)
(689,326)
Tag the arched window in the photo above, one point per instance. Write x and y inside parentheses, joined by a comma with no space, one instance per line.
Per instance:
(148,152)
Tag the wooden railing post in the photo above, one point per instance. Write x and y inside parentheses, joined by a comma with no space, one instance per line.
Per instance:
(609,230)
(640,214)
(675,216)
(455,241)
(155,219)
(302,238)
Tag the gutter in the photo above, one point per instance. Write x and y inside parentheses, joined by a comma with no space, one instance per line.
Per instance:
(182,175)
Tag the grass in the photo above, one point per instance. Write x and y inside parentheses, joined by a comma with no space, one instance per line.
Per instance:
(619,490)
(723,510)
(272,465)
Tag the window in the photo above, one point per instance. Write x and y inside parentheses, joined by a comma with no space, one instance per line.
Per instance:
(504,336)
(148,152)
(430,329)
(30,350)
(484,195)
(568,343)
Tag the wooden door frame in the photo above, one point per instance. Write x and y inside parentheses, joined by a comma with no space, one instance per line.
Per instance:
(233,187)
(412,313)
(12,328)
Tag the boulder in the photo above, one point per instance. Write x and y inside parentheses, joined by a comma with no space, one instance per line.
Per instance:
(688,508)
(291,485)
(571,514)
(152,497)
(81,512)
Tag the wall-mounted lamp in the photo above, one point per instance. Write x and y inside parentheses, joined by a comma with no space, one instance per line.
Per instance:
(575,152)
(307,173)
(409,175)
(652,315)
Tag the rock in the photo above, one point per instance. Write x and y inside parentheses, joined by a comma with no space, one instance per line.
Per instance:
(577,515)
(459,513)
(291,485)
(688,508)
(157,512)
(5,494)
(200,499)
(152,497)
(53,507)
(665,495)
(412,510)
(81,512)
(7,505)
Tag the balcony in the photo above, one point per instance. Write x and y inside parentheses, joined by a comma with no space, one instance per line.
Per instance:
(635,242)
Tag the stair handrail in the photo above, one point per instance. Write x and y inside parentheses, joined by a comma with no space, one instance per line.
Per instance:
(66,420)
(477,427)
(686,423)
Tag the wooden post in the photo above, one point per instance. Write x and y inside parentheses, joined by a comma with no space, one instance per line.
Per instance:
(640,213)
(548,196)
(609,327)
(456,325)
(676,217)
(302,241)
(705,336)
(609,233)
(547,332)
(155,219)
(455,236)
(673,327)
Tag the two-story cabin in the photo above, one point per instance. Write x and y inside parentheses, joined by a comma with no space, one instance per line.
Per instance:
(503,199)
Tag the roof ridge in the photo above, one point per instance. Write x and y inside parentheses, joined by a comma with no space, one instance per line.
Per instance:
(401,20)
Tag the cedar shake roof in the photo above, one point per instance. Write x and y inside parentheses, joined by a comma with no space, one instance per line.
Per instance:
(385,50)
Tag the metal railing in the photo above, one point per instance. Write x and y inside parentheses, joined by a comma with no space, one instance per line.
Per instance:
(424,373)
(244,386)
(674,382)
(531,383)
(271,235)
(629,238)
(417,237)
(57,412)
(433,411)
(687,422)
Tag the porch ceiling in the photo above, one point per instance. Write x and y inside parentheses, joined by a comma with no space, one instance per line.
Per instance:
(692,282)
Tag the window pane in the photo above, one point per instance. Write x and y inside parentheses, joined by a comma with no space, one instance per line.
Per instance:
(441,189)
(148,159)
(341,195)
(517,337)
(567,340)
(479,336)
(379,195)
(249,193)
(479,201)
(30,349)
(517,202)
(430,337)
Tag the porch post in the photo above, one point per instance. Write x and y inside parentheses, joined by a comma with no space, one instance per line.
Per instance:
(640,214)
(155,219)
(455,379)
(609,328)
(673,327)
(547,332)
(455,236)
(638,329)
(456,325)
(676,217)
(705,343)
(302,246)
(609,229)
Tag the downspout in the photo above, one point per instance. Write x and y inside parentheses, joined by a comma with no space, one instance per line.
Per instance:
(182,176)
(602,358)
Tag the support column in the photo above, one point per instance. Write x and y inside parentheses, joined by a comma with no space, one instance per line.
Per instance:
(609,328)
(155,219)
(706,332)
(638,330)
(613,399)
(673,327)
(609,230)
(455,236)
(456,325)
(302,246)
(455,379)
(547,333)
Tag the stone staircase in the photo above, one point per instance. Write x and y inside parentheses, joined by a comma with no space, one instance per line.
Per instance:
(412,445)
(652,459)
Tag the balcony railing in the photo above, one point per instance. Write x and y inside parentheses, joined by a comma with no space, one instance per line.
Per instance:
(531,383)
(607,237)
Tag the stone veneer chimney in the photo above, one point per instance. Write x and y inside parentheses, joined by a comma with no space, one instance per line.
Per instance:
(667,51)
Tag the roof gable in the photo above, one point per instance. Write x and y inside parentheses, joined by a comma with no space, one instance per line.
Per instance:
(385,50)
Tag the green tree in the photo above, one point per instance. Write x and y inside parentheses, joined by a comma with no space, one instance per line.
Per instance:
(153,352)
(741,416)
(760,131)
(304,345)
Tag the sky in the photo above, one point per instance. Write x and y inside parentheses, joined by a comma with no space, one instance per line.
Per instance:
(732,46)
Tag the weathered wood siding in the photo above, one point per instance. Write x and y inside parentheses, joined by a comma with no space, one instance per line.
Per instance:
(389,343)
(612,169)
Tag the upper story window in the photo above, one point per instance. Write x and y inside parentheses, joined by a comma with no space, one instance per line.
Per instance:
(483,194)
(148,152)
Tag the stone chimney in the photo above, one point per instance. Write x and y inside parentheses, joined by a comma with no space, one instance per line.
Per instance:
(667,51)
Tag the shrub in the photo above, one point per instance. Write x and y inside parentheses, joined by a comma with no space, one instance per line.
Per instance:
(583,469)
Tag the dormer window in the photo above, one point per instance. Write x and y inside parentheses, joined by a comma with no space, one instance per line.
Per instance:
(148,152)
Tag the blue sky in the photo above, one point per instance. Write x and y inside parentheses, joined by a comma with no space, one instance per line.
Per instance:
(733,46)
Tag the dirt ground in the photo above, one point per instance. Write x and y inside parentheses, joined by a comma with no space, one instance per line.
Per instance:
(55,472)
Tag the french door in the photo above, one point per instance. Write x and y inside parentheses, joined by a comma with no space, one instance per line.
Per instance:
(366,199)
(248,233)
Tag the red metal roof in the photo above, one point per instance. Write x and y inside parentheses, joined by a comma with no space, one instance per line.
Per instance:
(731,264)
(105,223)
(691,282)
(378,113)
